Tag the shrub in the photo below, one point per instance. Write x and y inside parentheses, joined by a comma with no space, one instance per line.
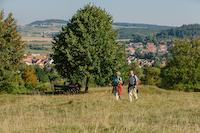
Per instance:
(151,76)
(29,77)
(183,69)
(41,74)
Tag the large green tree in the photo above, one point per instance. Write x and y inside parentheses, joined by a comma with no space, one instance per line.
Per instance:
(11,52)
(86,48)
(184,67)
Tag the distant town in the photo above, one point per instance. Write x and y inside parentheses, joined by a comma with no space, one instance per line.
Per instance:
(146,45)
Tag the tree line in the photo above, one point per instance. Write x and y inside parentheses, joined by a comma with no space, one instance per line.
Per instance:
(167,35)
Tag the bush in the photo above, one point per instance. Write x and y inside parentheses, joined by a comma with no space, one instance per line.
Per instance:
(43,87)
(152,76)
(10,81)
(20,90)
(182,70)
(41,74)
(29,77)
(186,87)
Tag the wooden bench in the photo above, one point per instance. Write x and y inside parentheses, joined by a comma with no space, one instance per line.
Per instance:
(67,89)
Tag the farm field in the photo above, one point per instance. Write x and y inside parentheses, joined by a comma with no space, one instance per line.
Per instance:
(156,110)
(36,39)
(38,45)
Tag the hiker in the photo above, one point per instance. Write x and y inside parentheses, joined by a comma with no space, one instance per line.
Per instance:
(132,86)
(117,85)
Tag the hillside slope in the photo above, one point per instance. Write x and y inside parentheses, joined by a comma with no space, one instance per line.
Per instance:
(48,22)
(184,31)
(125,30)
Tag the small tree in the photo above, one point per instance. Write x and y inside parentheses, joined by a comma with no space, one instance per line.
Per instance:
(29,77)
(87,47)
(11,52)
(184,67)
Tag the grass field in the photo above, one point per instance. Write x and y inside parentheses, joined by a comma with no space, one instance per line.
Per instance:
(156,111)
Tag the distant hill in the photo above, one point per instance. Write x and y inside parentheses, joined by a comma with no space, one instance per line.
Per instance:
(117,25)
(127,30)
(138,25)
(185,31)
(48,22)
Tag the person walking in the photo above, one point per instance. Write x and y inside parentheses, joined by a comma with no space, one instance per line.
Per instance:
(117,86)
(132,86)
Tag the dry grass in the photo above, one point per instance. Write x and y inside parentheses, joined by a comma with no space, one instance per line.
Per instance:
(155,111)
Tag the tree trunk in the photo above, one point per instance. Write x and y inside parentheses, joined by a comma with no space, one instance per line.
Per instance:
(86,85)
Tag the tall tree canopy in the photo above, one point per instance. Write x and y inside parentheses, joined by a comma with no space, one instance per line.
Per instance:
(183,70)
(86,48)
(11,52)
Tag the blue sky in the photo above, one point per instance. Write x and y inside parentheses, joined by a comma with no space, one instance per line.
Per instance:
(162,12)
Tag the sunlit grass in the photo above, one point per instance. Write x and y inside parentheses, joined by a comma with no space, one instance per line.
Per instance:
(156,111)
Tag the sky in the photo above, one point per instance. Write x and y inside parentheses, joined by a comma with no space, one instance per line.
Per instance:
(161,12)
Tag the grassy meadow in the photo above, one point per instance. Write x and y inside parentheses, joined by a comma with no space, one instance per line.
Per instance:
(156,110)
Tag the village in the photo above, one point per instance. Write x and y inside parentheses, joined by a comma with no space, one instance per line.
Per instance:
(41,60)
(145,55)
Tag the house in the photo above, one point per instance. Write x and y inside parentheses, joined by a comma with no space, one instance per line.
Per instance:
(163,48)
(131,50)
(27,59)
(138,45)
(151,47)
(37,59)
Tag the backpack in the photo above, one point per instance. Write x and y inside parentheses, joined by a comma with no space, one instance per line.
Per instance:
(132,80)
(115,81)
